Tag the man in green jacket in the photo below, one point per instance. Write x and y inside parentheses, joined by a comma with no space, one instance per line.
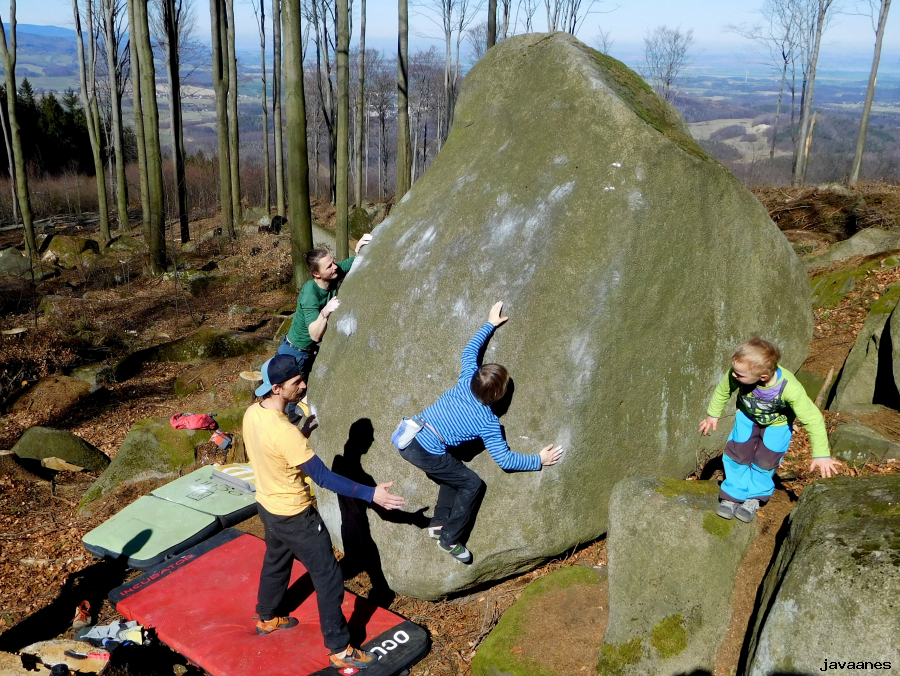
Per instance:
(315,304)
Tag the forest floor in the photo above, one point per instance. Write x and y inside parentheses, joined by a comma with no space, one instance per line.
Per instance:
(44,570)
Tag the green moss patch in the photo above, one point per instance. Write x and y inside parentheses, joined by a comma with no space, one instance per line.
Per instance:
(672,488)
(712,523)
(614,657)
(669,637)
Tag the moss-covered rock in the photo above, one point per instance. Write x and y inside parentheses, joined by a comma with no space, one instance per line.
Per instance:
(866,242)
(570,191)
(43,442)
(66,250)
(498,654)
(829,288)
(13,263)
(859,377)
(128,244)
(360,223)
(832,591)
(154,448)
(854,442)
(672,563)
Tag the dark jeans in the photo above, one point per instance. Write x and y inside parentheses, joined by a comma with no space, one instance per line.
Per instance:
(460,491)
(305,358)
(305,538)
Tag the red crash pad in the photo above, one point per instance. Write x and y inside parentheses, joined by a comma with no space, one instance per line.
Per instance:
(202,604)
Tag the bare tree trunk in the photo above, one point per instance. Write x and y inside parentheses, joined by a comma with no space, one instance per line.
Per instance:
(298,159)
(448,92)
(91,110)
(10,162)
(143,181)
(234,149)
(115,102)
(220,84)
(778,111)
(367,142)
(171,22)
(326,95)
(342,174)
(265,104)
(404,153)
(870,94)
(8,56)
(361,104)
(492,23)
(801,158)
(276,104)
(144,52)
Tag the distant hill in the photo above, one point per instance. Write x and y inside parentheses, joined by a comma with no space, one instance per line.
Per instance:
(52,31)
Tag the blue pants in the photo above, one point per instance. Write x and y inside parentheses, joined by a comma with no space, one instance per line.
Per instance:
(752,455)
(305,358)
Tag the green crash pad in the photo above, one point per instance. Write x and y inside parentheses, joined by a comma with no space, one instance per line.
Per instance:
(198,490)
(148,531)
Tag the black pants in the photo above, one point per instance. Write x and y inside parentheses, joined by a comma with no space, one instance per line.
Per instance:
(305,538)
(459,494)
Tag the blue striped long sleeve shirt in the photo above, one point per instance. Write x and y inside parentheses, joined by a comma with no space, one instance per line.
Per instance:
(459,417)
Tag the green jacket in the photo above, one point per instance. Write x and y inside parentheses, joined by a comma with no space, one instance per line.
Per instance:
(310,302)
(794,404)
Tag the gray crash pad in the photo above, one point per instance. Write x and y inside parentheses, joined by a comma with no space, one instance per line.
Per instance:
(198,490)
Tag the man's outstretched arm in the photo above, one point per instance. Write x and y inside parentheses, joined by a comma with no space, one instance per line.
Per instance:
(324,477)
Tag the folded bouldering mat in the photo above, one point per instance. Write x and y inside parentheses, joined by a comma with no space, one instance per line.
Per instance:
(148,531)
(202,605)
(200,490)
(171,519)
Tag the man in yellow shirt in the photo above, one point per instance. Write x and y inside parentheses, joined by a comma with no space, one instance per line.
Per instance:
(281,458)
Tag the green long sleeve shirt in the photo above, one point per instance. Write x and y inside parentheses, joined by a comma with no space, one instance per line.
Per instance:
(310,302)
(799,406)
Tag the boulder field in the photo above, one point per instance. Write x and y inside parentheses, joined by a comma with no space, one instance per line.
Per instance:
(631,265)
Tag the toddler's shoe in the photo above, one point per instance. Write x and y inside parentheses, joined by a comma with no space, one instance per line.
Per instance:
(458,552)
(726,509)
(747,510)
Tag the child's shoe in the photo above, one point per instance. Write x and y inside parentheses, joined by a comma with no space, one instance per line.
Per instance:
(351,658)
(747,511)
(458,552)
(434,533)
(726,509)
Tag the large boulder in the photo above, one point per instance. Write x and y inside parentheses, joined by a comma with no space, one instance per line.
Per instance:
(43,442)
(672,564)
(831,594)
(631,264)
(547,628)
(854,442)
(869,363)
(864,243)
(153,448)
(66,251)
(13,263)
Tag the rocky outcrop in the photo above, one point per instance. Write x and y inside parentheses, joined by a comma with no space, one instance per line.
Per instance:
(672,564)
(854,442)
(13,263)
(43,442)
(517,646)
(153,448)
(570,191)
(831,595)
(866,242)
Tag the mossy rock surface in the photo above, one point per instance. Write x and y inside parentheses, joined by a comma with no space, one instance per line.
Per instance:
(832,592)
(154,448)
(867,242)
(564,176)
(128,244)
(856,443)
(360,223)
(198,281)
(672,563)
(44,442)
(502,653)
(68,250)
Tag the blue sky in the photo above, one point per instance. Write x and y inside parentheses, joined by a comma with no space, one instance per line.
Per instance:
(626,20)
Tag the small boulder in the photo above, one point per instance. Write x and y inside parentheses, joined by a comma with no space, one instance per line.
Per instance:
(672,564)
(832,591)
(43,442)
(866,242)
(553,620)
(127,243)
(95,375)
(52,395)
(360,223)
(254,214)
(13,263)
(240,310)
(854,442)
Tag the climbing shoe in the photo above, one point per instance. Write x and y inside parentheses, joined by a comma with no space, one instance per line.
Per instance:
(82,617)
(747,511)
(726,508)
(434,533)
(458,552)
(268,626)
(353,658)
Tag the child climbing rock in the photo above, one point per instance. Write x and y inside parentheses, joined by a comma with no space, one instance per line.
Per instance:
(463,414)
(769,399)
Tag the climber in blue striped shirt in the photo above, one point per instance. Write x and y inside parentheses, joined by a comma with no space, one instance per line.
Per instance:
(460,415)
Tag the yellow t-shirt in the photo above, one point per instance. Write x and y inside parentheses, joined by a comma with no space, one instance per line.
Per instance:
(276,449)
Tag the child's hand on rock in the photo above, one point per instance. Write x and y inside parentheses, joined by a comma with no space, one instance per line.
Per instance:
(827,466)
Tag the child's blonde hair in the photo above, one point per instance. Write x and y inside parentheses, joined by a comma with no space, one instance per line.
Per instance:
(760,355)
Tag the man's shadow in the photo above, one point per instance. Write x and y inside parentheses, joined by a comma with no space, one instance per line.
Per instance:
(360,551)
